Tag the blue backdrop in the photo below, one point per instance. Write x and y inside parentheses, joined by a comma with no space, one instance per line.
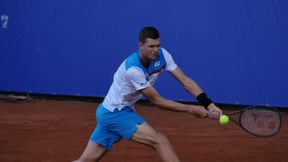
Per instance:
(235,49)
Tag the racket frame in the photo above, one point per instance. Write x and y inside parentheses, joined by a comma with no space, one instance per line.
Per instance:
(240,112)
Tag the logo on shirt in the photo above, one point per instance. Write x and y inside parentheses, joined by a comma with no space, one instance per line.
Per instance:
(144,84)
(157,63)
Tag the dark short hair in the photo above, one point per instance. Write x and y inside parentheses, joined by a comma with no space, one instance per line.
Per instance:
(148,32)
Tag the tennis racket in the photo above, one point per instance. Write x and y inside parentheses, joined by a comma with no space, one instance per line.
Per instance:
(257,120)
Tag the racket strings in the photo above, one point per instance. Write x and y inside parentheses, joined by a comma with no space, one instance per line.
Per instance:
(261,122)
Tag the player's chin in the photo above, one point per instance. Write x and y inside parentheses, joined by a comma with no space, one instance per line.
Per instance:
(154,56)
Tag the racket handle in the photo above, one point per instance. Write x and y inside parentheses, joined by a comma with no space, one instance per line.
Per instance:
(210,113)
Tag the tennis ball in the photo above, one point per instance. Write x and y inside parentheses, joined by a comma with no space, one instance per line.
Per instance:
(224,119)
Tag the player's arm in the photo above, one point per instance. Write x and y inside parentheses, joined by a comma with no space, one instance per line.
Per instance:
(152,94)
(137,78)
(193,88)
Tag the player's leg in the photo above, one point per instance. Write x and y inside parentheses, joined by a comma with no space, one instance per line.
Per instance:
(147,135)
(92,153)
(131,126)
(100,142)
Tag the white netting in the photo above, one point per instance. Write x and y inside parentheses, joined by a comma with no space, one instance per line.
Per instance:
(261,121)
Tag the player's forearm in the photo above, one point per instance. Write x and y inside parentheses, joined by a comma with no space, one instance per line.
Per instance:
(171,105)
(192,87)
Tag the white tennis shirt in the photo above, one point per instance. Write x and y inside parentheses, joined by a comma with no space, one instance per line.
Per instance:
(131,77)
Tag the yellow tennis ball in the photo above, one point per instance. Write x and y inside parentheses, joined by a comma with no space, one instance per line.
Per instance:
(224,119)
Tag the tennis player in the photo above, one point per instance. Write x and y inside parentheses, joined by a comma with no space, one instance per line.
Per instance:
(134,78)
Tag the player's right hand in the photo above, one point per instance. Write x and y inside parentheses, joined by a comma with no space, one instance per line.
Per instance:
(214,111)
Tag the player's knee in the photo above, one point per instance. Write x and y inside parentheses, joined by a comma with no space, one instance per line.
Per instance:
(161,140)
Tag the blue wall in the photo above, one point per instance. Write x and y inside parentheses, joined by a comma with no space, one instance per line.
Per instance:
(237,50)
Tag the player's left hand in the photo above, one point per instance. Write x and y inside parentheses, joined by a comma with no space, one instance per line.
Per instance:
(214,111)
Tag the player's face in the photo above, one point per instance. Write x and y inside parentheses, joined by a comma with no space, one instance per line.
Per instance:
(150,48)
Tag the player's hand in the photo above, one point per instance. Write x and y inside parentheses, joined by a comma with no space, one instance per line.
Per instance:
(199,111)
(214,111)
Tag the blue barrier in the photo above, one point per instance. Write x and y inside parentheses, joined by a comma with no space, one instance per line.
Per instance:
(235,50)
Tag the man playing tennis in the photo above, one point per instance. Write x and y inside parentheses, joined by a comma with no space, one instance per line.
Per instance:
(134,78)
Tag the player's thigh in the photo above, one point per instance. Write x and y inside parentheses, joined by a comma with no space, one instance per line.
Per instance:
(93,152)
(146,134)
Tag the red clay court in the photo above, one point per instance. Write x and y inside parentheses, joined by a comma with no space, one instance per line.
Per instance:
(57,131)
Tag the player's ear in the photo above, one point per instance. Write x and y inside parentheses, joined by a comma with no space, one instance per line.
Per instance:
(140,45)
